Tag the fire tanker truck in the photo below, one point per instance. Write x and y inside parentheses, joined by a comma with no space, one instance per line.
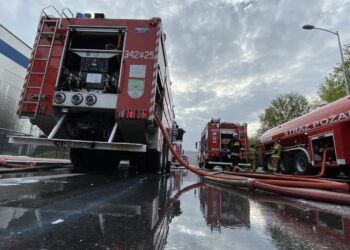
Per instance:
(213,148)
(94,85)
(303,140)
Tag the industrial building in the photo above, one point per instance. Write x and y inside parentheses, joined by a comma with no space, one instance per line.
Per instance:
(14,59)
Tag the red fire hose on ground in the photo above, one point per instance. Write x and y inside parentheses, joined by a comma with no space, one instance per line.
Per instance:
(293,186)
(4,163)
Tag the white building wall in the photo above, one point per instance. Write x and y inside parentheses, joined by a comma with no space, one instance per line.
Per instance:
(14,56)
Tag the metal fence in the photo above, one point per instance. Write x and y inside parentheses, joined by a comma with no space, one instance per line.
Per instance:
(7,148)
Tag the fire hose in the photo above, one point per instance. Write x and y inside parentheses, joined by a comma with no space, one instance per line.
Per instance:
(4,163)
(299,187)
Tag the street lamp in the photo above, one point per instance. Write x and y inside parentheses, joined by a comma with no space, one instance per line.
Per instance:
(312,27)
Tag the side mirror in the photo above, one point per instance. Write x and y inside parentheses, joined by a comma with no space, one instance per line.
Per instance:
(196,145)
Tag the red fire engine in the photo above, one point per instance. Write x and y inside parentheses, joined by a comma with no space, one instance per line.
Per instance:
(94,84)
(304,139)
(222,208)
(213,148)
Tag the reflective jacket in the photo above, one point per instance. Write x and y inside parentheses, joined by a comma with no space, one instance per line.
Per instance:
(235,147)
(277,150)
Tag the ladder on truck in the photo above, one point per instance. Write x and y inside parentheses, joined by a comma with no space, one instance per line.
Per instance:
(242,136)
(32,94)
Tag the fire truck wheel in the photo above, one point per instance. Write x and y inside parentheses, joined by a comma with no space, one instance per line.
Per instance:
(332,172)
(346,170)
(268,164)
(84,159)
(301,164)
(154,162)
(103,160)
(286,164)
(95,160)
(76,157)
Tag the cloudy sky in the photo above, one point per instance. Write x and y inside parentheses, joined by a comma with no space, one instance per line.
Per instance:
(228,58)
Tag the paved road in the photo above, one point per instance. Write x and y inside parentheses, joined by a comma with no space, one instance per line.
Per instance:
(63,209)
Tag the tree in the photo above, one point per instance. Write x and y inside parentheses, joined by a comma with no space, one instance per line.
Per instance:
(333,88)
(284,108)
(254,140)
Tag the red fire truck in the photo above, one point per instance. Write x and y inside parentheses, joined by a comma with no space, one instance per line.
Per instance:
(222,208)
(213,148)
(304,139)
(95,84)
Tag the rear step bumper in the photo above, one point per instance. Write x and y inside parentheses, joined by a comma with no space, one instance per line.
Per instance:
(220,163)
(117,146)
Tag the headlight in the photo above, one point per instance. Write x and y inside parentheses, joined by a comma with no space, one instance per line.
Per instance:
(90,99)
(59,98)
(77,99)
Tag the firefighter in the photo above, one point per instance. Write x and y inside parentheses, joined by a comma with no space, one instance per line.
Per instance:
(235,148)
(252,157)
(276,156)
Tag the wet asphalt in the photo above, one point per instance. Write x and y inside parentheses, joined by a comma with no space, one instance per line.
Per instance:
(66,209)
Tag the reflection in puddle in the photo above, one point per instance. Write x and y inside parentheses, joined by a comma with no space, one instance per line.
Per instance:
(160,212)
(223,209)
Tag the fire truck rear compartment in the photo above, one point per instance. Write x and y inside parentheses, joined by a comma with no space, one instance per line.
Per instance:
(92,59)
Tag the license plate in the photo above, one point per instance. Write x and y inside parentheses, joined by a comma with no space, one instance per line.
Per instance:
(70,144)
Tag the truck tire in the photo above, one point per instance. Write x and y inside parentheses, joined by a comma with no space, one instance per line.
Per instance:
(154,162)
(84,159)
(286,164)
(96,160)
(105,160)
(301,164)
(268,164)
(76,157)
